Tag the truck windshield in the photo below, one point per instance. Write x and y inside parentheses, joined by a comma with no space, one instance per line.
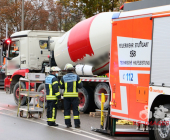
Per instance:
(14,49)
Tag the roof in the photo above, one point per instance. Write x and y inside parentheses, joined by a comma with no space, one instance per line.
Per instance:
(145,11)
(37,33)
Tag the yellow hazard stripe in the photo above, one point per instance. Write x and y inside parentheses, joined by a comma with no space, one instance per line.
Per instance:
(51,90)
(56,82)
(50,119)
(48,97)
(67,117)
(71,94)
(79,81)
(66,87)
(53,114)
(61,83)
(74,86)
(57,94)
(76,117)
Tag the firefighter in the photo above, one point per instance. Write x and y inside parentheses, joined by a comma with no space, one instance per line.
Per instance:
(70,83)
(52,95)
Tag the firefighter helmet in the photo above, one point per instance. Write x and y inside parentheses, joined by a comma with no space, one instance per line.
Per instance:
(69,67)
(55,69)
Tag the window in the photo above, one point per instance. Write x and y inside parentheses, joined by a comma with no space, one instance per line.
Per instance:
(43,44)
(14,49)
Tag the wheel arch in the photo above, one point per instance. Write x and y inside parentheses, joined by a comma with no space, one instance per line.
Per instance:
(159,100)
(15,77)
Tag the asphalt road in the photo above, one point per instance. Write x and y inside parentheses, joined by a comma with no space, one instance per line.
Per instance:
(17,128)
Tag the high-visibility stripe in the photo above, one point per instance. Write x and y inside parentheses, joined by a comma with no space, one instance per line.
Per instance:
(65,87)
(79,81)
(76,117)
(53,113)
(48,97)
(51,120)
(51,90)
(67,117)
(71,94)
(57,94)
(56,82)
(74,86)
(61,83)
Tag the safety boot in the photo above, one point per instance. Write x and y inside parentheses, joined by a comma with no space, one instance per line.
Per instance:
(69,125)
(52,124)
(77,126)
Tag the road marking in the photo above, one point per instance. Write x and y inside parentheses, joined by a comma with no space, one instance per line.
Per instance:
(53,127)
(1,108)
(83,131)
(74,129)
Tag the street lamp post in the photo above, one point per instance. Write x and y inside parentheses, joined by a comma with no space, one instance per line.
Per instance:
(6,30)
(22,22)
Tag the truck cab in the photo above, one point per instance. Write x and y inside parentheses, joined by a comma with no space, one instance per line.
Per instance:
(27,51)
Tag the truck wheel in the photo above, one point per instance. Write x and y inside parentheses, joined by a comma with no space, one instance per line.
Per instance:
(41,99)
(162,124)
(86,99)
(16,94)
(102,88)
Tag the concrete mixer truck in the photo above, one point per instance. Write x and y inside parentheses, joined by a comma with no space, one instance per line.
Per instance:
(86,46)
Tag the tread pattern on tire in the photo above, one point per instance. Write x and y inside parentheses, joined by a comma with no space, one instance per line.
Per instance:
(89,100)
(96,99)
(41,87)
(156,135)
(24,99)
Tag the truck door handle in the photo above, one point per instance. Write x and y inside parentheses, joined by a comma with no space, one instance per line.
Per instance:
(41,52)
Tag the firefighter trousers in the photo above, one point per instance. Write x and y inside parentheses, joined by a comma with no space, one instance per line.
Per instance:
(51,111)
(74,102)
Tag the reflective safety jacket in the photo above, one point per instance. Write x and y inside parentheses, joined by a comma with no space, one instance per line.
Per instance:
(52,87)
(70,83)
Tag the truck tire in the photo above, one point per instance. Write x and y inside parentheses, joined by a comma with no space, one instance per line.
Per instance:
(16,94)
(41,99)
(102,88)
(86,100)
(162,125)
